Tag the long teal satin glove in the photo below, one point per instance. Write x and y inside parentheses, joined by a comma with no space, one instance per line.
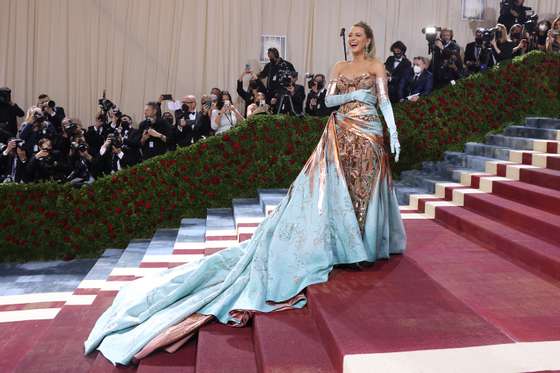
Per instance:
(362,95)
(387,111)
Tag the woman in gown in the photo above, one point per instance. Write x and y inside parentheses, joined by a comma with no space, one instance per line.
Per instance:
(340,209)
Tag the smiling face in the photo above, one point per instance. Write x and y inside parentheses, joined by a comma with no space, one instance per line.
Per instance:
(357,40)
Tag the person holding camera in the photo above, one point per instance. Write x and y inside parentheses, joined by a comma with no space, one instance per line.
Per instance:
(277,72)
(255,86)
(9,112)
(55,114)
(34,128)
(13,162)
(502,45)
(191,125)
(80,164)
(155,132)
(315,101)
(226,115)
(421,82)
(450,68)
(293,97)
(512,12)
(398,67)
(520,40)
(553,38)
(45,165)
(259,106)
(477,56)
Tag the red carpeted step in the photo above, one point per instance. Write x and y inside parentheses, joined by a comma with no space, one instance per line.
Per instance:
(181,361)
(525,249)
(289,341)
(521,304)
(531,195)
(393,306)
(225,349)
(17,338)
(541,224)
(541,176)
(61,348)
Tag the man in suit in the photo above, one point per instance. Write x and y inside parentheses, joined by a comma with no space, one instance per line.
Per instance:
(477,57)
(189,124)
(155,131)
(55,114)
(9,112)
(96,134)
(13,163)
(399,68)
(421,81)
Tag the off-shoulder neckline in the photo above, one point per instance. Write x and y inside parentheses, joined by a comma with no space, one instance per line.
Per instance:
(354,78)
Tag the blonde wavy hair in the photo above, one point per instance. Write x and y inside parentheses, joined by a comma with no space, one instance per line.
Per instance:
(370,48)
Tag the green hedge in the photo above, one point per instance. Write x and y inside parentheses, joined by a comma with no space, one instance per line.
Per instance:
(46,221)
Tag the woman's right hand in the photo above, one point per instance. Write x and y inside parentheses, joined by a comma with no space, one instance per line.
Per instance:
(365,96)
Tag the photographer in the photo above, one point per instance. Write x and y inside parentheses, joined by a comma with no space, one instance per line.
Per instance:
(543,28)
(502,46)
(451,68)
(259,106)
(55,114)
(421,82)
(315,101)
(226,115)
(71,132)
(35,128)
(97,133)
(553,39)
(131,141)
(520,40)
(478,57)
(277,72)
(255,86)
(9,112)
(80,164)
(399,67)
(114,155)
(191,125)
(291,100)
(155,132)
(45,165)
(512,12)
(13,162)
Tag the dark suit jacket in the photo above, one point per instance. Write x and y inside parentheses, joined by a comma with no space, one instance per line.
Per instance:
(399,77)
(95,139)
(155,146)
(6,164)
(422,86)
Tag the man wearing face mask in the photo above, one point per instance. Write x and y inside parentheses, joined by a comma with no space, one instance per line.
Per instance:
(477,55)
(421,82)
(399,67)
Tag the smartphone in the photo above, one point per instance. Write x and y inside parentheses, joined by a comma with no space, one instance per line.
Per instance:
(227,103)
(247,68)
(167,96)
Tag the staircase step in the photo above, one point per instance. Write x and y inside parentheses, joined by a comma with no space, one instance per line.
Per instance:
(539,122)
(248,214)
(160,250)
(224,348)
(290,342)
(533,221)
(489,151)
(393,306)
(531,195)
(518,143)
(543,177)
(191,237)
(403,193)
(526,250)
(533,132)
(270,198)
(181,361)
(220,230)
(524,306)
(17,339)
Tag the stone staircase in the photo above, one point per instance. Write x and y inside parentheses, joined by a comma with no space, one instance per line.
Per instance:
(481,273)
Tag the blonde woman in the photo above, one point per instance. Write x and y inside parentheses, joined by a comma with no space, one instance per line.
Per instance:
(553,39)
(341,209)
(502,46)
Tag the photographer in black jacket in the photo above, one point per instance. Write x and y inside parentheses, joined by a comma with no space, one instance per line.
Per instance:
(45,164)
(512,12)
(399,67)
(9,112)
(55,114)
(315,101)
(255,86)
(13,162)
(155,132)
(35,128)
(278,73)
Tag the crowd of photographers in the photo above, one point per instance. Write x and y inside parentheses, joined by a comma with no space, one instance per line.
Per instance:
(48,145)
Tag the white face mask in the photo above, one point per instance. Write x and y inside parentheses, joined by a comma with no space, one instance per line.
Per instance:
(417,69)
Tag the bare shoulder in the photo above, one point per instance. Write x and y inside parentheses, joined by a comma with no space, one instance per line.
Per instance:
(337,68)
(376,67)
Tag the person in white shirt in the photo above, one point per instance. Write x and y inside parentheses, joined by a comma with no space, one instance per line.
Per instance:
(226,115)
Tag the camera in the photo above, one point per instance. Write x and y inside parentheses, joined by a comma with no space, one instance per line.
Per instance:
(38,116)
(70,128)
(5,95)
(19,143)
(555,33)
(531,24)
(79,146)
(115,140)
(310,77)
(105,104)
